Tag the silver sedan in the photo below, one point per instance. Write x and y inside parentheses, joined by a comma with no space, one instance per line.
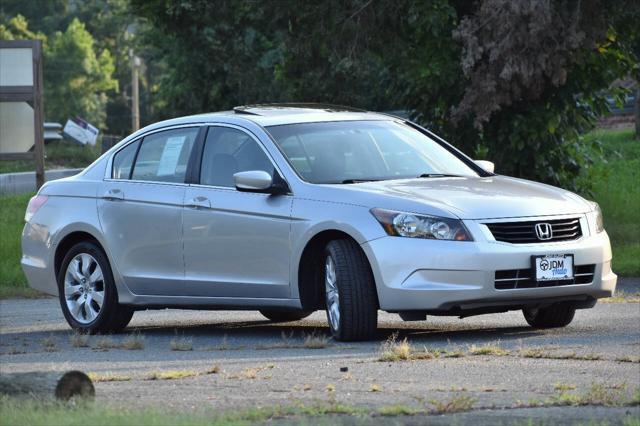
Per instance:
(288,209)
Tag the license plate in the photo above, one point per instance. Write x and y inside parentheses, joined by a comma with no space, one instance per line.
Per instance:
(553,267)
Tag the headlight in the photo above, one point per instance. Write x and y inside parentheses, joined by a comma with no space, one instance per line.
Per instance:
(599,222)
(412,225)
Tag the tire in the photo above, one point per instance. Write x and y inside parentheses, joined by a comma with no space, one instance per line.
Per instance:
(554,316)
(81,282)
(356,302)
(285,316)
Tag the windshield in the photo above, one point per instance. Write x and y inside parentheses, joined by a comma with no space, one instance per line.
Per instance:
(354,151)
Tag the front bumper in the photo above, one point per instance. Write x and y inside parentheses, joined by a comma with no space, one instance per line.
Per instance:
(451,276)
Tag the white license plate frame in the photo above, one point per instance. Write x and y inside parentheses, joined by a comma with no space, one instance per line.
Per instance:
(553,267)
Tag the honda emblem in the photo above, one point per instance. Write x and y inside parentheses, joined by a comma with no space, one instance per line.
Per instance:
(544,231)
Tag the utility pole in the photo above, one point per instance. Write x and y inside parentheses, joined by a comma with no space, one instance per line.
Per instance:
(135,93)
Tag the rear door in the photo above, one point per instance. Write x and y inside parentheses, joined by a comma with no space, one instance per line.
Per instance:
(141,210)
(236,244)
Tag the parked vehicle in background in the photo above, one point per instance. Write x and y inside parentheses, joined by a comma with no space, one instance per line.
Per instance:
(288,209)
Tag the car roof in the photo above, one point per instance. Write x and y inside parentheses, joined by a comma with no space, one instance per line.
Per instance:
(279,114)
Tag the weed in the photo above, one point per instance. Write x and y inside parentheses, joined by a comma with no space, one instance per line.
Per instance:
(622,297)
(172,375)
(49,344)
(398,410)
(488,349)
(456,353)
(393,350)
(108,377)
(79,340)
(132,342)
(315,341)
(181,344)
(628,359)
(213,370)
(563,387)
(454,405)
(105,342)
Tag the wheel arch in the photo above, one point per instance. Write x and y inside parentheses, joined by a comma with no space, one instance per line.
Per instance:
(68,241)
(309,278)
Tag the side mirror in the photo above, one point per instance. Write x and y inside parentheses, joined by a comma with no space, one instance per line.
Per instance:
(486,165)
(260,181)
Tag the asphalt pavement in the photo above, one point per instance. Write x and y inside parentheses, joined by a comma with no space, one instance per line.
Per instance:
(236,360)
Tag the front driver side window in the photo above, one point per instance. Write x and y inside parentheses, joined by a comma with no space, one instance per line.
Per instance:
(228,151)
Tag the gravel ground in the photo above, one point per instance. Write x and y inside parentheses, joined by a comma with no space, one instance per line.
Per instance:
(260,364)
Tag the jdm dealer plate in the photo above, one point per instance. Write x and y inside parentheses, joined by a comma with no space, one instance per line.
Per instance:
(553,267)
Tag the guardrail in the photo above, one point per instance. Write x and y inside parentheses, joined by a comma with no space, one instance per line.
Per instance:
(20,183)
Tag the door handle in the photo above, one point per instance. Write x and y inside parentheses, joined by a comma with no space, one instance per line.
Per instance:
(198,203)
(113,194)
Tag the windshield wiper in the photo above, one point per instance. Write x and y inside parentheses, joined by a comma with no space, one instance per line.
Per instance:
(430,175)
(359,180)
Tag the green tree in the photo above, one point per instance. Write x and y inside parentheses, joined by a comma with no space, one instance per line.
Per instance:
(77,77)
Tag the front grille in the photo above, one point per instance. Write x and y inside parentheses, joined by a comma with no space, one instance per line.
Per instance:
(523,278)
(525,232)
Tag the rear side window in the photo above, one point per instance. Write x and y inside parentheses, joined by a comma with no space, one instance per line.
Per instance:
(123,161)
(163,156)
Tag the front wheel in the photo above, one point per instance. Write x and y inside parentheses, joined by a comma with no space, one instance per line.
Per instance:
(350,292)
(87,292)
(559,315)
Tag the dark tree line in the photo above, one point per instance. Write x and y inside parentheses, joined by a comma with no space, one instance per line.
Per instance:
(515,81)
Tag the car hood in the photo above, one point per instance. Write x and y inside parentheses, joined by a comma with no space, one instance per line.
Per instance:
(481,198)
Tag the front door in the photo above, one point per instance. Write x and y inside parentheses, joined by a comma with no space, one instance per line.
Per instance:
(236,244)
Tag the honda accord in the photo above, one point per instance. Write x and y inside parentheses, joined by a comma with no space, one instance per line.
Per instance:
(288,209)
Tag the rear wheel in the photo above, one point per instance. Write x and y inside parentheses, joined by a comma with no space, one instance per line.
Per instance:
(558,315)
(87,292)
(350,293)
(285,316)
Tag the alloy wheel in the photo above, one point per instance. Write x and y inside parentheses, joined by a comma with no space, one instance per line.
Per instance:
(84,288)
(331,293)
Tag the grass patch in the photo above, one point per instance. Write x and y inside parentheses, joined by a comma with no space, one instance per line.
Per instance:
(106,343)
(315,340)
(398,410)
(13,283)
(172,375)
(563,387)
(541,353)
(133,342)
(616,189)
(58,155)
(38,413)
(79,340)
(597,394)
(456,404)
(49,344)
(108,377)
(633,359)
(393,350)
(488,349)
(622,297)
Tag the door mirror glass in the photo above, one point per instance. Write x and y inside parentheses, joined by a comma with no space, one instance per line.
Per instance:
(253,181)
(486,165)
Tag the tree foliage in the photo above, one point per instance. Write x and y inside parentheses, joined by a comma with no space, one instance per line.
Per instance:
(76,77)
(515,81)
